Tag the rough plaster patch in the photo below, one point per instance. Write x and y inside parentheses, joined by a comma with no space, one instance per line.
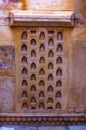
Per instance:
(44,3)
(7,56)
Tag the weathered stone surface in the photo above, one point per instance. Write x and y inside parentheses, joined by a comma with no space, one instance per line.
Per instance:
(74,58)
(42,18)
(7,94)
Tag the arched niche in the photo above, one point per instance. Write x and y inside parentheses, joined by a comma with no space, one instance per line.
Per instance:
(33,53)
(24,48)
(24,71)
(50,66)
(50,100)
(33,100)
(59,72)
(59,36)
(41,105)
(24,35)
(41,72)
(58,94)
(24,83)
(59,60)
(50,89)
(59,48)
(33,66)
(33,88)
(24,94)
(50,42)
(58,105)
(41,94)
(41,83)
(50,77)
(42,48)
(33,42)
(24,59)
(50,54)
(59,83)
(42,36)
(33,77)
(42,60)
(24,106)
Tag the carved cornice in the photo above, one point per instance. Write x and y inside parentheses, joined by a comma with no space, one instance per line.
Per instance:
(46,120)
(41,18)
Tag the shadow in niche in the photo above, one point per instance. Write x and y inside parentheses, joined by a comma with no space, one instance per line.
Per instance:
(43,128)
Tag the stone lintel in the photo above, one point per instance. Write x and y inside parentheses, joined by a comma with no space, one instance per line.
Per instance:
(42,18)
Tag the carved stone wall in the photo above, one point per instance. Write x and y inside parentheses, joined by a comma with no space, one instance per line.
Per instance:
(42,69)
(74,58)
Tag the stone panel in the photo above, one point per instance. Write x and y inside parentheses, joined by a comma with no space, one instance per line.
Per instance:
(52,4)
(7,94)
(77,96)
(52,128)
(7,78)
(75,54)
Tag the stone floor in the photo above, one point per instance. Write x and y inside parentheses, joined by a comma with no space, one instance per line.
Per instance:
(43,128)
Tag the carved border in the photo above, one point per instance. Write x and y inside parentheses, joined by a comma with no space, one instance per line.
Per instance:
(43,120)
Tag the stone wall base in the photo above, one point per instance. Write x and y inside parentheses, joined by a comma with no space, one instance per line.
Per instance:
(42,120)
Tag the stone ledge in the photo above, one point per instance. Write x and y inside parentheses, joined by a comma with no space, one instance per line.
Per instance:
(41,18)
(48,120)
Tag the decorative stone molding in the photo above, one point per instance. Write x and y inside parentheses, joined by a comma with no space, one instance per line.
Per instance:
(40,120)
(42,18)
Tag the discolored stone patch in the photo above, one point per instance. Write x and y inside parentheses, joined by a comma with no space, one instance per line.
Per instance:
(7,57)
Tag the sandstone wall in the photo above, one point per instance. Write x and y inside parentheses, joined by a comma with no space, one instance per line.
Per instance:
(52,4)
(77,83)
(76,54)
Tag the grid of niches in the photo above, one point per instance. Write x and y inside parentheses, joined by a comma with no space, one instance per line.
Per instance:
(41,61)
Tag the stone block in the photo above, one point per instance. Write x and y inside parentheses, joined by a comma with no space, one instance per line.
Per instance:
(52,128)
